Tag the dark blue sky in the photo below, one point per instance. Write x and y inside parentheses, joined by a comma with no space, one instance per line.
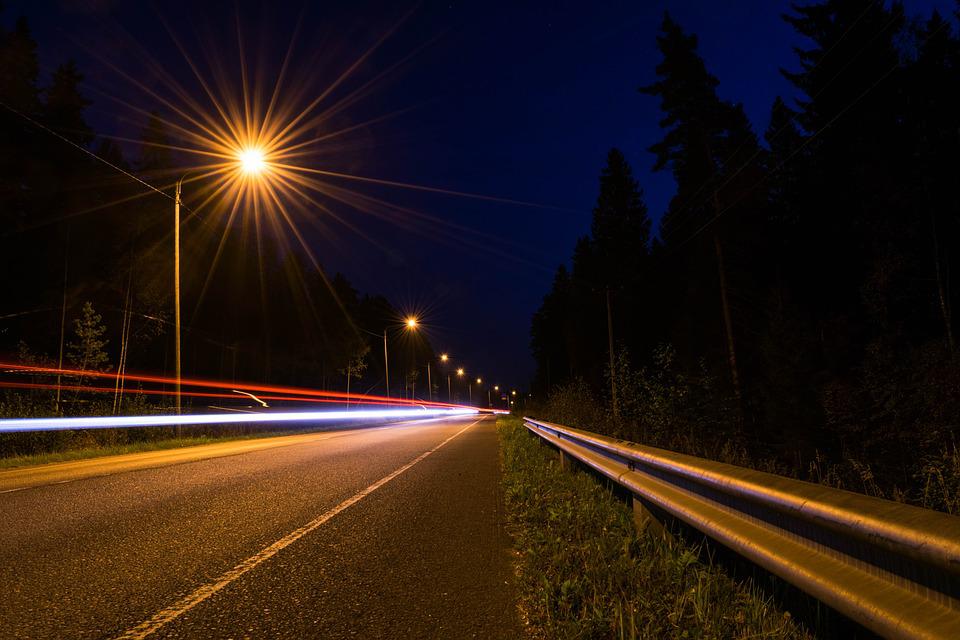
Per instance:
(519,100)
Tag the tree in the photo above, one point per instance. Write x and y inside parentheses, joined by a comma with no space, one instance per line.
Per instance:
(620,229)
(356,365)
(19,67)
(64,105)
(88,351)
(714,157)
(156,158)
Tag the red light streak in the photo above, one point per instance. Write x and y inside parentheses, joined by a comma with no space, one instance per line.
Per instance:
(285,393)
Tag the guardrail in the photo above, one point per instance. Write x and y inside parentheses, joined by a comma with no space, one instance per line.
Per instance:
(891,567)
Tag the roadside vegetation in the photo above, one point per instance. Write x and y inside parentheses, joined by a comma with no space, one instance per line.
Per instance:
(664,406)
(586,572)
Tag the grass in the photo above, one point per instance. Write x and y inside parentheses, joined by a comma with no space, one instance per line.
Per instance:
(85,453)
(585,571)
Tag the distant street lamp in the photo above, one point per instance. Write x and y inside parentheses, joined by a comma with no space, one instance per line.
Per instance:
(411,323)
(444,358)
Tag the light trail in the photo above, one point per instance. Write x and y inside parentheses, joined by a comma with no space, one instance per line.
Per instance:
(21,425)
(207,394)
(215,384)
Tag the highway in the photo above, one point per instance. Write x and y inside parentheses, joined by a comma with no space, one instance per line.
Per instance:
(384,532)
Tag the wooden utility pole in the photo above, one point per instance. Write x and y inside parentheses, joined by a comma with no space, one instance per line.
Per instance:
(613,371)
(63,315)
(727,324)
(941,286)
(722,273)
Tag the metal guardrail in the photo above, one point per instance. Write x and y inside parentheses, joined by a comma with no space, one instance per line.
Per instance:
(891,567)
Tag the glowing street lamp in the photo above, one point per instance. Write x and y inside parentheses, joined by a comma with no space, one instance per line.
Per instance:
(412,323)
(444,358)
(460,372)
(252,163)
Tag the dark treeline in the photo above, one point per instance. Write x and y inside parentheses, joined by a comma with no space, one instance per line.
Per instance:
(75,231)
(798,300)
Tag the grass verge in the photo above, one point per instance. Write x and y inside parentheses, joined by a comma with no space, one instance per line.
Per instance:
(586,572)
(70,455)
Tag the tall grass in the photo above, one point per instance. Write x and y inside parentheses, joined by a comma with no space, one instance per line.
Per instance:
(585,572)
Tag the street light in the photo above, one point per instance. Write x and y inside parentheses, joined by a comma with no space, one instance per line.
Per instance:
(444,358)
(411,324)
(252,163)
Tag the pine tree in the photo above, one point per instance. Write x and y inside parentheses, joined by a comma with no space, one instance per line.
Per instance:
(64,105)
(708,144)
(156,158)
(715,160)
(620,231)
(549,337)
(88,351)
(19,68)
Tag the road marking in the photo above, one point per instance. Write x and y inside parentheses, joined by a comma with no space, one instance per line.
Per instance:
(202,593)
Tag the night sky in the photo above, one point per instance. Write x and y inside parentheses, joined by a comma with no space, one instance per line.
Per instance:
(518,101)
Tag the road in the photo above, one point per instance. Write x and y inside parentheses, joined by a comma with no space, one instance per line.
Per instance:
(385,532)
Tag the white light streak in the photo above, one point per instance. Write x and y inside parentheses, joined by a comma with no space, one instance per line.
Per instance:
(15,425)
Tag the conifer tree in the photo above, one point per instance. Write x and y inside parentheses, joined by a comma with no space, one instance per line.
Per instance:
(87,352)
(64,105)
(714,157)
(620,231)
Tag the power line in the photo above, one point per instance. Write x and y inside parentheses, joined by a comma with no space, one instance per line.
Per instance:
(79,147)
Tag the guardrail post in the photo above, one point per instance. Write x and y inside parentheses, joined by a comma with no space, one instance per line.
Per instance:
(644,520)
(565,462)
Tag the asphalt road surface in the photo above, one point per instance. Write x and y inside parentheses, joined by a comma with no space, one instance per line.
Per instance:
(386,532)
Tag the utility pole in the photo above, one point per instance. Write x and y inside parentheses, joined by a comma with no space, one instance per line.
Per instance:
(386,363)
(429,384)
(176,294)
(613,371)
(449,394)
(63,314)
(731,352)
(727,323)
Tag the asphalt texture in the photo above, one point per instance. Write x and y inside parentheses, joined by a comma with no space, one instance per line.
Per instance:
(367,533)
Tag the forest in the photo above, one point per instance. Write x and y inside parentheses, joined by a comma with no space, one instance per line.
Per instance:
(793,311)
(86,253)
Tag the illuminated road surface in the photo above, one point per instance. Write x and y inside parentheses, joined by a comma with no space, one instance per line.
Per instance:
(373,533)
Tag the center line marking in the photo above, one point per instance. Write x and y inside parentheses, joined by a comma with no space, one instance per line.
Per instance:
(202,593)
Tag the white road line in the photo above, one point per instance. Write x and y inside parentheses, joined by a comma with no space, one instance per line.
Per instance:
(202,593)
